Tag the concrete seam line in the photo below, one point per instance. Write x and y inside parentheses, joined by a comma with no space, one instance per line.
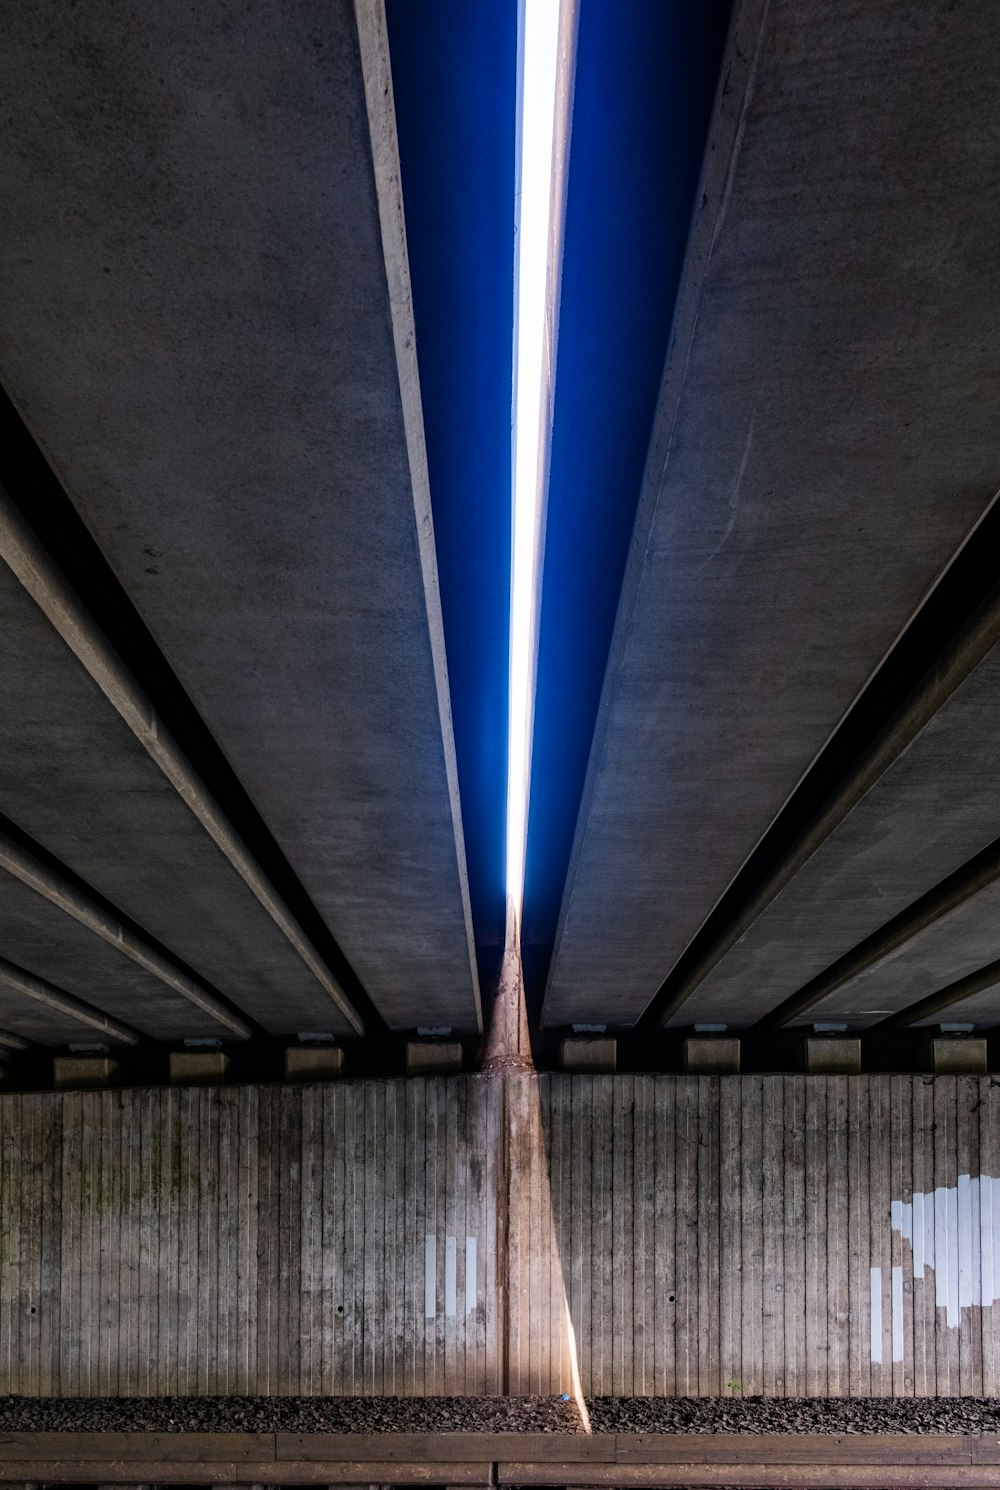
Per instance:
(30,870)
(65,1003)
(373,44)
(27,559)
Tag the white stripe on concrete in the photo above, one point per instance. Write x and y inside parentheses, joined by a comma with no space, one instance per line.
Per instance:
(917,1229)
(876,1315)
(430,1277)
(450,1275)
(897,1314)
(471,1287)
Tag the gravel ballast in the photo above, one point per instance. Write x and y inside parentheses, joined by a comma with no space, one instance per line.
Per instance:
(794,1414)
(288,1415)
(498,1415)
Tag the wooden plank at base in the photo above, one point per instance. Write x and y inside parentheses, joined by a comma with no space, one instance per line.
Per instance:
(564,1448)
(796,1448)
(150,1447)
(753,1476)
(291,1472)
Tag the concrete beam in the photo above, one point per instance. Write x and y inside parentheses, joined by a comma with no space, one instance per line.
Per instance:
(24,865)
(227,386)
(19,979)
(78,783)
(40,938)
(919,804)
(956,998)
(875,812)
(938,918)
(821,450)
(29,561)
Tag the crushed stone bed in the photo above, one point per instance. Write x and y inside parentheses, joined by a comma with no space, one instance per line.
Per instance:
(498,1415)
(794,1414)
(288,1415)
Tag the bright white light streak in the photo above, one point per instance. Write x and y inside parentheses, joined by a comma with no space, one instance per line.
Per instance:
(537,93)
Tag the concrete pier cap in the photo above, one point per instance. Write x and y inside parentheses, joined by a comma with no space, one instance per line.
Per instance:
(433,1057)
(711,1052)
(954,1052)
(92,1069)
(200,1063)
(314,1058)
(591,1054)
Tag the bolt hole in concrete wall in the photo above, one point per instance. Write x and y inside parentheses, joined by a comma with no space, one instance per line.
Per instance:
(800,1235)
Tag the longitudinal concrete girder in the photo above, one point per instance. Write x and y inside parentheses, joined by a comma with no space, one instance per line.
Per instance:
(207,326)
(825,439)
(934,957)
(43,939)
(933,808)
(77,780)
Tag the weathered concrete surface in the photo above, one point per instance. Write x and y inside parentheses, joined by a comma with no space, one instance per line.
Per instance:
(979,1009)
(195,322)
(44,940)
(934,808)
(826,437)
(76,779)
(822,1236)
(936,956)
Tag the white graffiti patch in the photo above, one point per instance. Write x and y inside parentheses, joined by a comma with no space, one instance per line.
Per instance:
(955,1232)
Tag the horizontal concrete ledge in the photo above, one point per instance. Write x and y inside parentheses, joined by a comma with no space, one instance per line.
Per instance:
(749,1476)
(225,1472)
(865,1461)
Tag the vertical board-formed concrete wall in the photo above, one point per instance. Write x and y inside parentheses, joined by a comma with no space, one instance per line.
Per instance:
(695,1235)
(324,1239)
(785,1235)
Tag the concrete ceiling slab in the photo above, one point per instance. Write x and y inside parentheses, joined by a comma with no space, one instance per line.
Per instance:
(43,1025)
(825,439)
(42,939)
(933,809)
(78,782)
(198,328)
(949,949)
(982,1008)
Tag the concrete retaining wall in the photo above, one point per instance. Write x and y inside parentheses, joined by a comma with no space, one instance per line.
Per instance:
(691,1235)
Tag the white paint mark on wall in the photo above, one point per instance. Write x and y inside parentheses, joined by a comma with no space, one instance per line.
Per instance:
(876,1315)
(450,1275)
(955,1230)
(471,1292)
(915,1223)
(451,1282)
(897,1314)
(430,1277)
